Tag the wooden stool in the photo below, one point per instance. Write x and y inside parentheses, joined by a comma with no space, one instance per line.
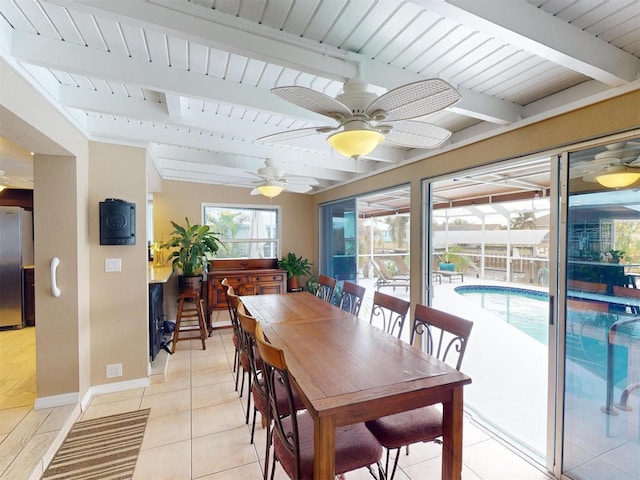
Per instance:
(190,318)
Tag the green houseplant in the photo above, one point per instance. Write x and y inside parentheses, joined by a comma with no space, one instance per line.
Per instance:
(195,244)
(296,267)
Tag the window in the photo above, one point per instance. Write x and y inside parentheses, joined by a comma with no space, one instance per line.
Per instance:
(247,232)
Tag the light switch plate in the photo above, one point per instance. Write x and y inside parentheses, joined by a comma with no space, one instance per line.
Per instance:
(112,264)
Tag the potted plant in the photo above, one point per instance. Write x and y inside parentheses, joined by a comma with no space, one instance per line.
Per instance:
(195,244)
(296,267)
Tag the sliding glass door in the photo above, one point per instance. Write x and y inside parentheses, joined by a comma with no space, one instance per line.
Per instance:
(338,242)
(601,345)
(490,249)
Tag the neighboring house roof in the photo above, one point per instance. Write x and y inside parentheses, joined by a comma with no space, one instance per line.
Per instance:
(489,237)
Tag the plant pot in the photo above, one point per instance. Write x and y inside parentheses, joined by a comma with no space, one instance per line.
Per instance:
(293,283)
(190,285)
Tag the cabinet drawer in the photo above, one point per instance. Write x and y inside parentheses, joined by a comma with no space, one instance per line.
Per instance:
(266,278)
(234,281)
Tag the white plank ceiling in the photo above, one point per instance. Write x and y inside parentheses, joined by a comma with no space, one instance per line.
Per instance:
(190,80)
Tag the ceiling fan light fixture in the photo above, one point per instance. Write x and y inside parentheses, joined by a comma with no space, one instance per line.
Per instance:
(270,189)
(355,143)
(619,176)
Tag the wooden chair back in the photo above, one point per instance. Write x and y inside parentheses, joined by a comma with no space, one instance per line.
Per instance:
(352,295)
(274,370)
(326,285)
(441,334)
(587,306)
(391,310)
(229,289)
(591,287)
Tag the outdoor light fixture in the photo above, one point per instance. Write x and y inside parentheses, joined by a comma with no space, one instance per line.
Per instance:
(618,176)
(270,189)
(355,141)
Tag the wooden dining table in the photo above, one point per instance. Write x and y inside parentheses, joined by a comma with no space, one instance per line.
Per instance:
(347,371)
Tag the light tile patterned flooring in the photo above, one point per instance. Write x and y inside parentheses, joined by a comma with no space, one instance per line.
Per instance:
(197,429)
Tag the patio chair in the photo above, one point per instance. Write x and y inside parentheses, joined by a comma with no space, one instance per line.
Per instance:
(386,278)
(448,270)
(444,336)
(401,267)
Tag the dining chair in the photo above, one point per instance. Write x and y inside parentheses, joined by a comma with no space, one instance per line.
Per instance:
(326,285)
(629,293)
(259,387)
(445,337)
(236,354)
(293,435)
(391,310)
(243,360)
(351,299)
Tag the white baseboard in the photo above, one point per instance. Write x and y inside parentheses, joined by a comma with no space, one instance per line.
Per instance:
(119,386)
(57,400)
(74,397)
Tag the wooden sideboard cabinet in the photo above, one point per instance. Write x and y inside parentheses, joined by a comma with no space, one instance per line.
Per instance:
(247,276)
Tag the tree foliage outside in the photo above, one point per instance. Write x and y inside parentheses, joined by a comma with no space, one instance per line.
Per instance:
(524,221)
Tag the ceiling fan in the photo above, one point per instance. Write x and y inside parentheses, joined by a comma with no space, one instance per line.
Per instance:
(273,181)
(365,120)
(616,167)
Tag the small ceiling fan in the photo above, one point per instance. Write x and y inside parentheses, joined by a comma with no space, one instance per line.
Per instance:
(273,181)
(616,167)
(365,120)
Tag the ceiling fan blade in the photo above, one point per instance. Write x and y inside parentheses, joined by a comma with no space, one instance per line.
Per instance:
(312,100)
(254,174)
(255,191)
(297,188)
(414,100)
(300,181)
(417,134)
(292,134)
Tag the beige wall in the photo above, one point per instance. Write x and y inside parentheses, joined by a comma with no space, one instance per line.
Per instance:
(119,305)
(180,199)
(60,226)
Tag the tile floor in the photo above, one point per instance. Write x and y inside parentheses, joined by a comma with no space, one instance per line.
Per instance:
(196,429)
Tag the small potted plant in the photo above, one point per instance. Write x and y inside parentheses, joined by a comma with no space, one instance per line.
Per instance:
(195,244)
(296,267)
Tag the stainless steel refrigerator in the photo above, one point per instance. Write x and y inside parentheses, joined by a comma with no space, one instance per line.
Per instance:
(16,252)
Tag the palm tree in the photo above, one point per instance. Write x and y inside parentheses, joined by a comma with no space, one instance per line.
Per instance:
(524,221)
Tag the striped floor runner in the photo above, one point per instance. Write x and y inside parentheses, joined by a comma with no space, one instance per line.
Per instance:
(100,449)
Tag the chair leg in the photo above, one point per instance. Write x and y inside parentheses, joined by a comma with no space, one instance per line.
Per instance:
(395,465)
(249,395)
(242,383)
(266,454)
(236,359)
(238,372)
(253,425)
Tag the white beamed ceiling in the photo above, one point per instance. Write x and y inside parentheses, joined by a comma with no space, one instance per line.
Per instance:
(190,80)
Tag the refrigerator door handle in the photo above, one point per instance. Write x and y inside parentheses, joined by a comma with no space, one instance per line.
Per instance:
(55,291)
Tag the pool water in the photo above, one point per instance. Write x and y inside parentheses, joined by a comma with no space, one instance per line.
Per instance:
(526,310)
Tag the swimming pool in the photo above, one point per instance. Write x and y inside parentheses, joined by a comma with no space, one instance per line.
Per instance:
(526,310)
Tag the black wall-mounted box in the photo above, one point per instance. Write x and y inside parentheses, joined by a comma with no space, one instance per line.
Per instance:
(117,222)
